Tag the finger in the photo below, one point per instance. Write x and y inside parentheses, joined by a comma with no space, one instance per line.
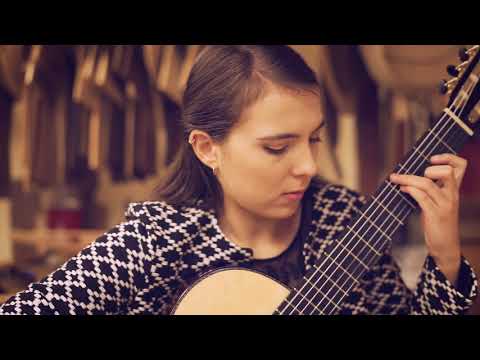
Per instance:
(458,163)
(421,183)
(445,174)
(422,198)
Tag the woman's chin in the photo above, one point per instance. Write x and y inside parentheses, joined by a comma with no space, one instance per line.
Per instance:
(284,211)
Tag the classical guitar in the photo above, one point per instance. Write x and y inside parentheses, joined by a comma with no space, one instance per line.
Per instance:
(365,238)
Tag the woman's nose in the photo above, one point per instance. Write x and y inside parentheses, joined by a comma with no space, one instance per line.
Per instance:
(306,164)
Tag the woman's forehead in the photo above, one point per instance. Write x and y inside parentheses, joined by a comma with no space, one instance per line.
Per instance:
(283,110)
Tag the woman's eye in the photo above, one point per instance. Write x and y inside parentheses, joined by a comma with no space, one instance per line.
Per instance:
(279,151)
(275,151)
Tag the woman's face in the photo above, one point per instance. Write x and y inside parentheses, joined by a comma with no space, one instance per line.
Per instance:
(271,152)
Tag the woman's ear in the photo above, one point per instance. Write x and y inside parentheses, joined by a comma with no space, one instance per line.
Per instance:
(204,148)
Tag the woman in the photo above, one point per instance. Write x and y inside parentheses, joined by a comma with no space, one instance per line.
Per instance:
(243,193)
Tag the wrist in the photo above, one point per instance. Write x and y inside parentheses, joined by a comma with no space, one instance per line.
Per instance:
(450,258)
(449,265)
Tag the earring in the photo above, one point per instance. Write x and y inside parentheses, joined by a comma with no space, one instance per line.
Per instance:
(214,169)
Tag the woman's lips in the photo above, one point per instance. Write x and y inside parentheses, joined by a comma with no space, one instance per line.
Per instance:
(294,196)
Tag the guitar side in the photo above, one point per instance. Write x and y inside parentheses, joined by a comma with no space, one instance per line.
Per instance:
(232,291)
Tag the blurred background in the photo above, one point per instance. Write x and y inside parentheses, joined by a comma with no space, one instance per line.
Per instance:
(87,129)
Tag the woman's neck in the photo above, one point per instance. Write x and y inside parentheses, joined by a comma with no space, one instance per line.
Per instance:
(266,237)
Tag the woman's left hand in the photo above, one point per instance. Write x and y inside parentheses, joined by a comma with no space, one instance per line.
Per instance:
(437,194)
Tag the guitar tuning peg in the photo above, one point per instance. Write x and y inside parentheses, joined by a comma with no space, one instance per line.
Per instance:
(463,54)
(452,70)
(472,49)
(443,87)
(446,86)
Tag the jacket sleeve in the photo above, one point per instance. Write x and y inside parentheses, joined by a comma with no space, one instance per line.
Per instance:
(386,292)
(102,279)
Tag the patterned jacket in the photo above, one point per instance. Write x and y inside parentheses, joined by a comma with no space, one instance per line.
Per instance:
(144,264)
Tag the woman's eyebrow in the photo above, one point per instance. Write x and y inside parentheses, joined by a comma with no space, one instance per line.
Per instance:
(288,135)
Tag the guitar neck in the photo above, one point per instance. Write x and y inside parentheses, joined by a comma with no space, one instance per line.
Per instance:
(363,241)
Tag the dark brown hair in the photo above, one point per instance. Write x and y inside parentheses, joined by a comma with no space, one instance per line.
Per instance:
(223,82)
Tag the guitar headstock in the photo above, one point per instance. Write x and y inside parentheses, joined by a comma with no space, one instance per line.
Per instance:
(464,87)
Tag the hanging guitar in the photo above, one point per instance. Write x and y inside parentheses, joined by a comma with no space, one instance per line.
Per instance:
(365,238)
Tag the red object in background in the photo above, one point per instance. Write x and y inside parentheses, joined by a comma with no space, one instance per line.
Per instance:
(64,219)
(66,211)
(471,181)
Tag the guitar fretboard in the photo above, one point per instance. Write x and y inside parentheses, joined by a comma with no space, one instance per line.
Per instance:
(343,262)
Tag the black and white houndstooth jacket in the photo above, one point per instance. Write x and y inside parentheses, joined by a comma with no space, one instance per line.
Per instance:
(142,266)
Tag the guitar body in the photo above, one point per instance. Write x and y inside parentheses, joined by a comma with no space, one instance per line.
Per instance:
(232,291)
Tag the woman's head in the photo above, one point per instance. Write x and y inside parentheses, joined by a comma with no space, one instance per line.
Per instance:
(252,113)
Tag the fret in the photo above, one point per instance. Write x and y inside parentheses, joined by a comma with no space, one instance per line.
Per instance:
(341,267)
(295,306)
(407,171)
(400,193)
(291,305)
(350,253)
(375,225)
(388,211)
(298,293)
(420,152)
(368,233)
(365,241)
(324,296)
(329,278)
(444,143)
